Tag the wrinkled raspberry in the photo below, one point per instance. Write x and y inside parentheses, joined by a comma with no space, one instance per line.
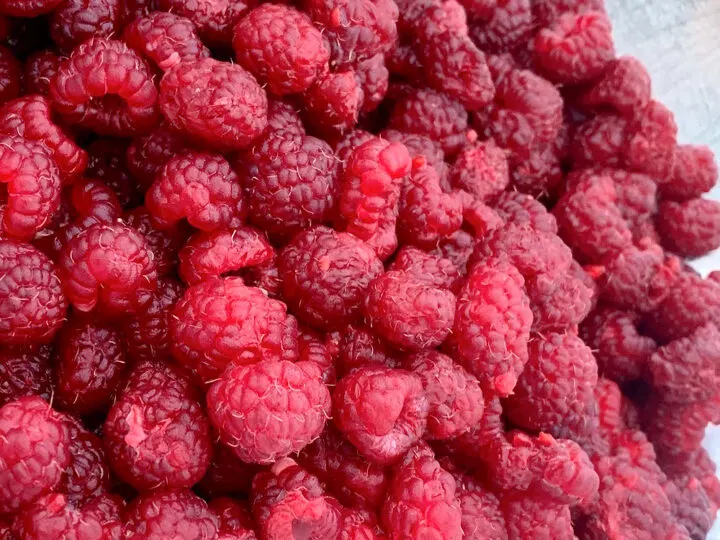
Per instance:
(697,464)
(480,508)
(34,454)
(477,216)
(509,26)
(88,474)
(156,434)
(521,209)
(107,162)
(482,170)
(695,173)
(76,21)
(360,347)
(269,410)
(235,518)
(198,186)
(95,200)
(315,347)
(147,155)
(213,19)
(40,67)
(373,78)
(108,267)
(32,304)
(531,517)
(691,228)
(359,525)
(30,117)
(652,140)
(164,244)
(433,269)
(565,307)
(226,475)
(457,248)
(691,505)
(548,11)
(280,46)
(600,141)
(24,372)
(332,103)
(283,116)
(538,174)
(218,104)
(421,499)
(624,87)
(163,514)
(678,427)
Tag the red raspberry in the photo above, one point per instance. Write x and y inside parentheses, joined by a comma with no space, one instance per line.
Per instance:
(146,156)
(691,228)
(520,209)
(95,200)
(76,21)
(347,143)
(359,347)
(235,518)
(600,141)
(30,117)
(433,269)
(531,517)
(651,143)
(109,267)
(164,244)
(166,39)
(269,410)
(134,9)
(280,46)
(266,277)
(421,499)
(102,67)
(565,307)
(227,475)
(624,86)
(163,514)
(480,508)
(547,12)
(539,174)
(40,68)
(315,347)
(27,8)
(381,411)
(678,427)
(239,106)
(198,186)
(107,161)
(34,454)
(402,61)
(24,372)
(696,464)
(31,297)
(359,525)
(10,75)
(283,116)
(482,170)
(482,440)
(373,78)
(219,322)
(354,480)
(33,186)
(156,434)
(457,248)
(209,255)
(419,145)
(691,505)
(214,20)
(508,27)
(333,102)
(695,173)
(88,474)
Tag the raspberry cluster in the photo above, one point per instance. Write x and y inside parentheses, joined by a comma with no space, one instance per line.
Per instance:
(348,270)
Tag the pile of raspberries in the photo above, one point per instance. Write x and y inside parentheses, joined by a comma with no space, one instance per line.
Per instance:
(348,269)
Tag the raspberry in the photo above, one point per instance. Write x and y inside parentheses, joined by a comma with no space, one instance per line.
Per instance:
(347,143)
(354,480)
(624,87)
(539,174)
(697,464)
(28,8)
(213,19)
(170,513)
(482,170)
(457,248)
(189,90)
(34,454)
(76,21)
(691,505)
(419,145)
(373,78)
(360,347)
(554,404)
(381,411)
(164,244)
(198,186)
(33,186)
(531,517)
(407,312)
(227,475)
(219,322)
(290,182)
(600,141)
(283,116)
(315,347)
(31,296)
(30,117)
(433,269)
(547,12)
(359,525)
(691,228)
(678,427)
(565,307)
(147,155)
(94,200)
(695,172)
(235,518)
(156,434)
(107,162)
(40,68)
(24,372)
(108,267)
(106,87)
(480,508)
(266,277)
(484,438)
(332,103)
(520,209)
(508,27)
(421,499)
(280,46)
(10,75)
(652,141)
(269,410)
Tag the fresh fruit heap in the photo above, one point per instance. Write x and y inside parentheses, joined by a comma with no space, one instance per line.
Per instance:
(348,269)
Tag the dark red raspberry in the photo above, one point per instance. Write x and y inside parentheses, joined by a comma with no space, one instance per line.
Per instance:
(164,244)
(482,170)
(107,162)
(227,475)
(40,67)
(214,20)
(10,75)
(34,454)
(435,270)
(27,8)
(696,464)
(565,307)
(30,117)
(106,87)
(190,90)
(94,199)
(108,267)
(530,517)
(691,505)
(421,499)
(477,216)
(266,277)
(691,228)
(283,116)
(695,173)
(547,12)
(520,209)
(88,474)
(134,9)
(624,87)
(538,174)
(373,78)
(333,102)
(156,434)
(235,518)
(651,143)
(360,347)
(147,155)
(419,145)
(678,427)
(280,46)
(402,61)
(600,141)
(219,322)
(24,372)
(198,186)
(269,410)
(32,304)
(76,21)
(457,248)
(163,514)
(508,27)
(359,525)
(347,143)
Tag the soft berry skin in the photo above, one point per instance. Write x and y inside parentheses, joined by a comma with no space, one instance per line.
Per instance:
(509,26)
(373,78)
(678,427)
(691,505)
(165,38)
(219,322)
(235,518)
(528,516)
(213,19)
(169,513)
(108,268)
(283,116)
(215,103)
(24,371)
(624,86)
(198,186)
(522,209)
(269,410)
(40,67)
(482,170)
(156,434)
(408,312)
(147,155)
(164,244)
(105,67)
(435,270)
(652,139)
(32,303)
(695,172)
(34,454)
(419,145)
(280,46)
(691,228)
(76,21)
(381,411)
(480,508)
(88,474)
(566,306)
(332,104)
(325,275)
(600,141)
(421,500)
(359,346)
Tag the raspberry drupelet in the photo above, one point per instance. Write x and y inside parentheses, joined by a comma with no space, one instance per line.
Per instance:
(88,474)
(147,155)
(164,243)
(214,20)
(76,21)
(24,371)
(435,270)
(691,228)
(624,87)
(482,170)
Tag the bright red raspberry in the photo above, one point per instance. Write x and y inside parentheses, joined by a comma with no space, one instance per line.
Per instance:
(219,322)
(332,103)
(198,186)
(433,269)
(419,145)
(695,173)
(10,75)
(266,277)
(421,500)
(316,347)
(481,170)
(34,453)
(227,475)
(359,347)
(108,267)
(32,304)
(373,78)
(189,90)
(508,27)
(236,521)
(27,8)
(691,505)
(24,372)
(40,68)
(565,307)
(651,143)
(600,141)
(164,244)
(88,474)
(624,86)
(147,155)
(532,517)
(156,434)
(163,514)
(280,46)
(214,20)
(95,199)
(382,411)
(269,410)
(691,228)
(76,21)
(521,209)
